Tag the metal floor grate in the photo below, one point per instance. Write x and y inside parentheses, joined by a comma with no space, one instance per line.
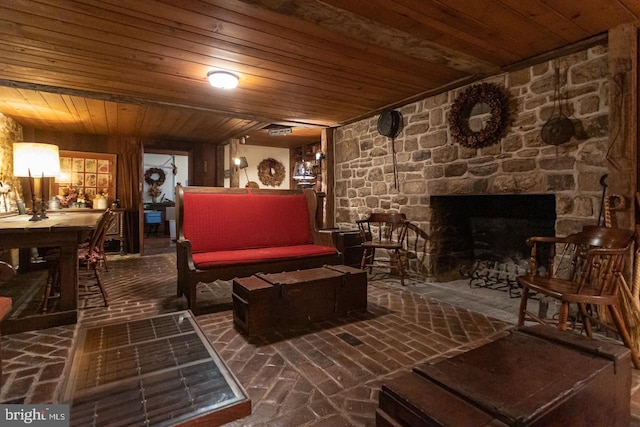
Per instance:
(349,339)
(159,371)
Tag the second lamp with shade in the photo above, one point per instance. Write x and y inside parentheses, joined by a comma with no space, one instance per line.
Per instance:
(303,173)
(36,160)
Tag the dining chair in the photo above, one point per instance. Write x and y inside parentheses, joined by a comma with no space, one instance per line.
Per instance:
(91,259)
(383,231)
(588,272)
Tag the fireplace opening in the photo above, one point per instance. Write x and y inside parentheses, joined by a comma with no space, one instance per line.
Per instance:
(487,232)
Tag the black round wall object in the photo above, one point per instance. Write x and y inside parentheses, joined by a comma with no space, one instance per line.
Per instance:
(390,123)
(557,130)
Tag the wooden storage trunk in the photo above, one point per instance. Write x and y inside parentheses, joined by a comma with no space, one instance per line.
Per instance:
(281,301)
(351,292)
(534,377)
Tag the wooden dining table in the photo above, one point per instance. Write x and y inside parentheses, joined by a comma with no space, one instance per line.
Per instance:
(64,230)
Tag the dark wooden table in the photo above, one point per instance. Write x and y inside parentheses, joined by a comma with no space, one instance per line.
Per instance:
(65,230)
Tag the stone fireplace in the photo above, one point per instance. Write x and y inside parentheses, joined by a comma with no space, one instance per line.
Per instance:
(518,187)
(469,228)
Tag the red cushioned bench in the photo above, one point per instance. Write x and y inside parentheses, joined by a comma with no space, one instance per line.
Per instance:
(225,233)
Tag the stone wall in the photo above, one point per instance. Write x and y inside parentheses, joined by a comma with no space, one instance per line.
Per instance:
(10,132)
(430,163)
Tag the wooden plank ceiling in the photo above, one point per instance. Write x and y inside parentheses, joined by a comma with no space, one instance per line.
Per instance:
(138,68)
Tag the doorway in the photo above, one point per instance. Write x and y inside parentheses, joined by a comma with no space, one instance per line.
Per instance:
(162,172)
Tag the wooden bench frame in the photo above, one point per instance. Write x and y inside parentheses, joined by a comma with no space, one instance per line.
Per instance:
(189,276)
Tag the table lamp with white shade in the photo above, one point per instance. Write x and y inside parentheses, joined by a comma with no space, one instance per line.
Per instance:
(36,160)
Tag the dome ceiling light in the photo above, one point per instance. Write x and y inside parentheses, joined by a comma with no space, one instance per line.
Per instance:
(222,79)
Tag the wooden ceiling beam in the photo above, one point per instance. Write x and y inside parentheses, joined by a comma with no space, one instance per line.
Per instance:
(125,99)
(323,14)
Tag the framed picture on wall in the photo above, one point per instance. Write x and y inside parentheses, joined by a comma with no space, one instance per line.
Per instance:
(85,177)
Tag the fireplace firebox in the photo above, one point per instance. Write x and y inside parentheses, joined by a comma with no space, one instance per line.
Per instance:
(466,229)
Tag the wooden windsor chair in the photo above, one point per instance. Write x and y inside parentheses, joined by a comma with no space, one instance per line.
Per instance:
(384,231)
(591,278)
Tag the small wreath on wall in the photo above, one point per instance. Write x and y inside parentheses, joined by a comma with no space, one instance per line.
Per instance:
(271,172)
(493,129)
(149,176)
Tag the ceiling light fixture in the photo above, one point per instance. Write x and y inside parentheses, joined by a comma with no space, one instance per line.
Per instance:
(222,79)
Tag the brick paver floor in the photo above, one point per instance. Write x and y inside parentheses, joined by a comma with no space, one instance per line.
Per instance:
(328,375)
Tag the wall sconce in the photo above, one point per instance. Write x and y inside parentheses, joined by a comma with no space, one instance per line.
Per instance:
(32,159)
(241,163)
(320,156)
(223,79)
(303,173)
